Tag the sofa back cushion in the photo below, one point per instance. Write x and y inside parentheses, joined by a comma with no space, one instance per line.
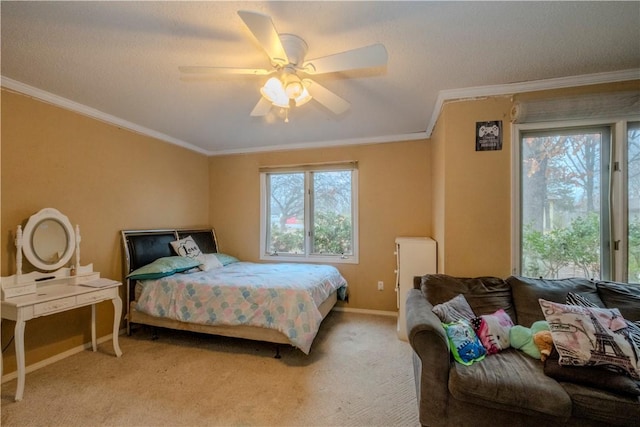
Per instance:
(485,295)
(526,291)
(623,296)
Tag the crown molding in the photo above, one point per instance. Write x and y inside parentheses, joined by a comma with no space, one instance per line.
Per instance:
(530,86)
(93,113)
(443,96)
(324,144)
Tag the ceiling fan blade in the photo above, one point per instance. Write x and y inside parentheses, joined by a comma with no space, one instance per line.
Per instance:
(364,57)
(325,97)
(224,70)
(265,32)
(262,108)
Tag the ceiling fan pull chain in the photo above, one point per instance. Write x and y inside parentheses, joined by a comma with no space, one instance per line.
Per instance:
(286,115)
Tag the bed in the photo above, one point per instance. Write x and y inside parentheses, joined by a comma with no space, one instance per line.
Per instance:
(282,303)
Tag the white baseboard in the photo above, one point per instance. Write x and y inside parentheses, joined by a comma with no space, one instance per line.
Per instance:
(367,311)
(53,359)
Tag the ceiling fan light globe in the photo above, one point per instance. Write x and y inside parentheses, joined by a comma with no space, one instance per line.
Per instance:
(274,92)
(294,89)
(303,98)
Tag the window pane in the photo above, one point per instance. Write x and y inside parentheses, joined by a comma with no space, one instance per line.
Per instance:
(633,168)
(332,223)
(561,204)
(286,213)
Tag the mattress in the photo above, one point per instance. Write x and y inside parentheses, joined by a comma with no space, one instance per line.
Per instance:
(283,296)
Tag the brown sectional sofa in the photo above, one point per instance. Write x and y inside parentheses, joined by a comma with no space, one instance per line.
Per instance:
(508,388)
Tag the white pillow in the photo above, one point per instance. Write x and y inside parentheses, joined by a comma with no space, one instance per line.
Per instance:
(208,262)
(186,247)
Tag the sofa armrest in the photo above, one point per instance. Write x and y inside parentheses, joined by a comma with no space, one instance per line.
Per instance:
(432,358)
(422,320)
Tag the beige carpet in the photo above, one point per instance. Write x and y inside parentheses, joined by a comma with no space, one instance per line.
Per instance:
(357,374)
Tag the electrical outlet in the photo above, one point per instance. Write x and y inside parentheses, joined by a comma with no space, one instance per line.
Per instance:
(380,285)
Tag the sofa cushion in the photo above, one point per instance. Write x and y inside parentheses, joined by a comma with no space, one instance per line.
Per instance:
(623,296)
(510,381)
(485,295)
(526,291)
(604,406)
(591,376)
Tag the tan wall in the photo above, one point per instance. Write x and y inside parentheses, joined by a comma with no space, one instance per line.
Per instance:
(103,178)
(472,190)
(394,200)
(438,168)
(476,191)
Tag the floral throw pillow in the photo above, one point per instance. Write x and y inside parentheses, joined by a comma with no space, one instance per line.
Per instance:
(465,346)
(493,330)
(590,336)
(455,309)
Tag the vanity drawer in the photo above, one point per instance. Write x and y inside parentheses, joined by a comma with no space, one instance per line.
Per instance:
(55,305)
(96,296)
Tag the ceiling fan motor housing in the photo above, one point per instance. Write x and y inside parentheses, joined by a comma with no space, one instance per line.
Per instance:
(295,48)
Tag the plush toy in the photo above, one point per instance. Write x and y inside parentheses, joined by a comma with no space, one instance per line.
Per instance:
(521,338)
(544,342)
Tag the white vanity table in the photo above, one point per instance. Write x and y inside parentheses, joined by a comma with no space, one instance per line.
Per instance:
(49,242)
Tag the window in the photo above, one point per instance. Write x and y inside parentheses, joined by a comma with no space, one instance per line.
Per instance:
(309,213)
(633,201)
(578,201)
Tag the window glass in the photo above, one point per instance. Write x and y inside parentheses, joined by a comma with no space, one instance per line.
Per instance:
(286,213)
(563,200)
(633,179)
(332,229)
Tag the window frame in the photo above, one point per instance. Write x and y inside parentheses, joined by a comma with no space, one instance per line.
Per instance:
(618,217)
(308,256)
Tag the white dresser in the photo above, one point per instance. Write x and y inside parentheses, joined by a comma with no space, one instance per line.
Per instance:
(415,256)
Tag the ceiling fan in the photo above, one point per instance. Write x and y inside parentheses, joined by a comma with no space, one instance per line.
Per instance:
(287,54)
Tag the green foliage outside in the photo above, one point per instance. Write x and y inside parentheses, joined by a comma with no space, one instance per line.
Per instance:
(287,241)
(332,235)
(634,249)
(575,248)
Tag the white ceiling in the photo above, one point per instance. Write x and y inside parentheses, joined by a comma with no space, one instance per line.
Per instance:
(119,61)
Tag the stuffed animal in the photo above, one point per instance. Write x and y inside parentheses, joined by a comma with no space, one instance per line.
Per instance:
(544,342)
(521,338)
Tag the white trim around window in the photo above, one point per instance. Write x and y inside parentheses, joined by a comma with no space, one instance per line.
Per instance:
(307,254)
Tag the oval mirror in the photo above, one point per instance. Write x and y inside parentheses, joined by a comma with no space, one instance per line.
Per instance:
(48,240)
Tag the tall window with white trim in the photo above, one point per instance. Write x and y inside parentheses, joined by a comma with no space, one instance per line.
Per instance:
(578,211)
(309,213)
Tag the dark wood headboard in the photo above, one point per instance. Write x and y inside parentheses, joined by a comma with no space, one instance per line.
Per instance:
(142,247)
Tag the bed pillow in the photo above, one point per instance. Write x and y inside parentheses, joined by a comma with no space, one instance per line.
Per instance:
(580,331)
(455,309)
(226,259)
(162,267)
(465,346)
(208,262)
(186,247)
(493,330)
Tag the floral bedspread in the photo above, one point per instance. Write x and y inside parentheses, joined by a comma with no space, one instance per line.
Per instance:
(284,297)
